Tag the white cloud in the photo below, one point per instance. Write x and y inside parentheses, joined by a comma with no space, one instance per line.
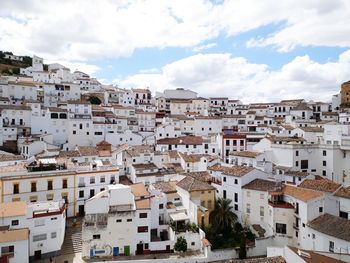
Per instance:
(150,70)
(81,30)
(235,77)
(204,47)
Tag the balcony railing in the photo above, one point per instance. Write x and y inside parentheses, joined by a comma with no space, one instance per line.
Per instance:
(281,204)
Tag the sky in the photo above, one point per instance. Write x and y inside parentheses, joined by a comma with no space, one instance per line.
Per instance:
(252,50)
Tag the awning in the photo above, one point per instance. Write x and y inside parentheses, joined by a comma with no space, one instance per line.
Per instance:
(180,216)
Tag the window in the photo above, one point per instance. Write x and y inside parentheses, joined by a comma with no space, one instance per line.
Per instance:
(281,228)
(39,237)
(129,220)
(324,153)
(203,203)
(49,185)
(81,194)
(74,132)
(304,164)
(236,207)
(49,197)
(142,229)
(64,183)
(8,250)
(209,204)
(320,209)
(248,208)
(324,163)
(98,133)
(343,214)
(53,234)
(224,178)
(96,236)
(15,222)
(236,181)
(161,206)
(118,220)
(16,188)
(92,180)
(39,222)
(53,218)
(313,236)
(224,194)
(33,186)
(227,142)
(324,173)
(236,197)
(102,179)
(296,163)
(296,153)
(262,211)
(143,215)
(331,246)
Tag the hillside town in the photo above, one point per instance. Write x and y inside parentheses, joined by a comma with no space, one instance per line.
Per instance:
(104,173)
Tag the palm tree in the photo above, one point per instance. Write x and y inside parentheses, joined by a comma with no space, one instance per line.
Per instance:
(222,218)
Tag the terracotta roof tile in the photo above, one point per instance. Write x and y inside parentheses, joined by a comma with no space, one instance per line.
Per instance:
(190,184)
(323,185)
(343,192)
(332,225)
(202,176)
(237,171)
(166,187)
(249,154)
(302,194)
(261,185)
(184,140)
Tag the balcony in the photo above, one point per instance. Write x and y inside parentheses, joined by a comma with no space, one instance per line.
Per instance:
(216,181)
(281,204)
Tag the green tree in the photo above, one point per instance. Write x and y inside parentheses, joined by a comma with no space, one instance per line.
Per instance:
(222,218)
(15,71)
(181,245)
(95,100)
(243,248)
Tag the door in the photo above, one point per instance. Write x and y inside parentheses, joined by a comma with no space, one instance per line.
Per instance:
(139,249)
(37,254)
(91,253)
(116,251)
(92,192)
(127,250)
(81,210)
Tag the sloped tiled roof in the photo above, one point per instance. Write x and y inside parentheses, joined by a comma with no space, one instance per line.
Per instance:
(332,225)
(234,170)
(343,192)
(248,154)
(202,176)
(302,194)
(166,187)
(261,185)
(190,184)
(323,185)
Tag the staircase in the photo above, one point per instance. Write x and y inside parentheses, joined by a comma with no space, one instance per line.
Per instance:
(72,240)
